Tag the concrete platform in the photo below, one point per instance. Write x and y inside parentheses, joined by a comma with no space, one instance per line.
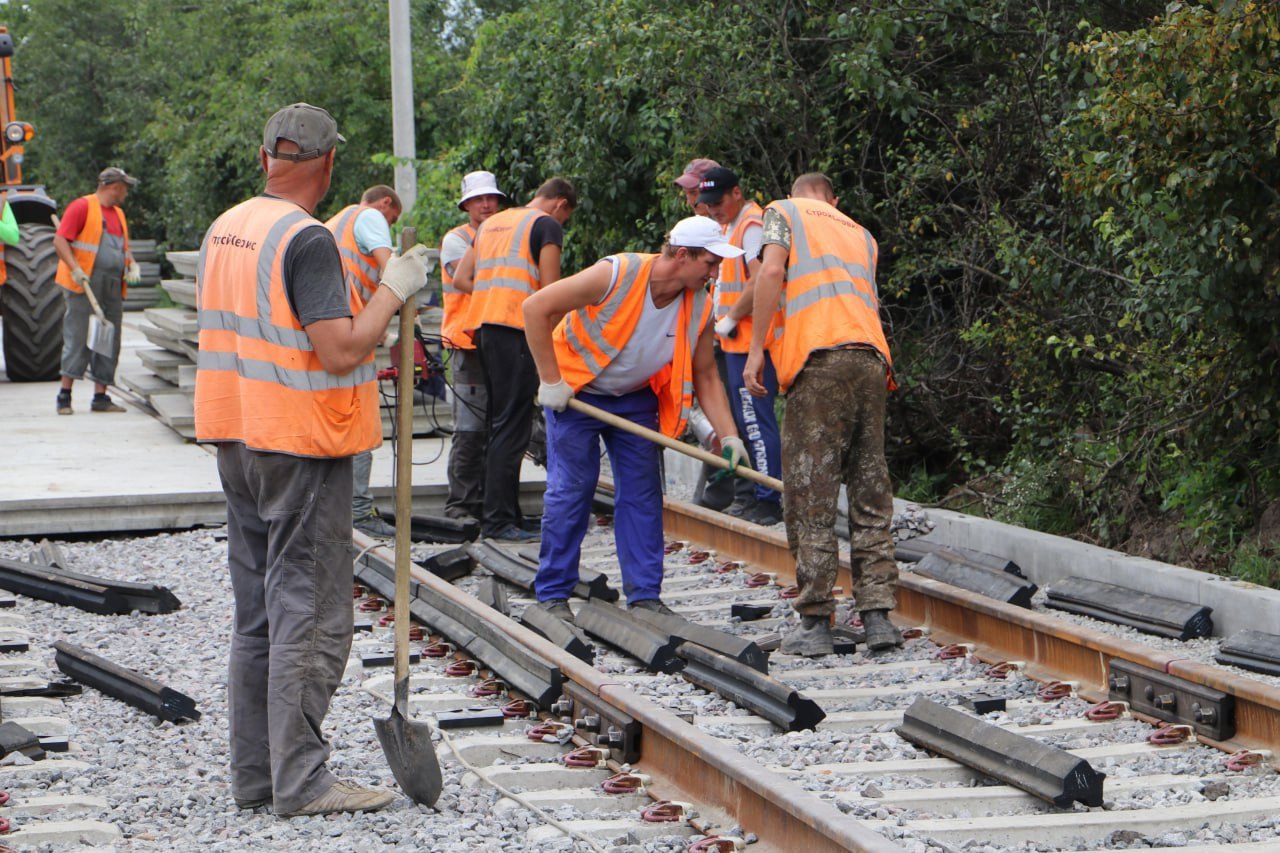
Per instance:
(98,473)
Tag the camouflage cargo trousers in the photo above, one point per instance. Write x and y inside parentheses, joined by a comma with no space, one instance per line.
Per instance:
(833,435)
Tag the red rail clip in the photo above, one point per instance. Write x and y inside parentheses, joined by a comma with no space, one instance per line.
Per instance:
(488,687)
(357,591)
(622,783)
(758,579)
(789,592)
(727,566)
(672,547)
(416,633)
(1168,735)
(696,557)
(584,756)
(604,520)
(5,826)
(713,844)
(549,729)
(4,798)
(438,649)
(951,652)
(1001,670)
(1054,691)
(461,668)
(907,633)
(1244,759)
(663,811)
(387,618)
(1104,712)
(517,708)
(372,604)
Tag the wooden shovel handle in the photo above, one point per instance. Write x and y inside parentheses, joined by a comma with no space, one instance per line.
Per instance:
(678,446)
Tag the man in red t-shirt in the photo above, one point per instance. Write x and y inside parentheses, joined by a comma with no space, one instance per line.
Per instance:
(92,243)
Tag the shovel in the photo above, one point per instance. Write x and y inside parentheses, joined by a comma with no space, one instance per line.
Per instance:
(667,441)
(102,335)
(405,742)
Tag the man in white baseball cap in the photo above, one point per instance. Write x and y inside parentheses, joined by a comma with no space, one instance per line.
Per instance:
(480,199)
(636,338)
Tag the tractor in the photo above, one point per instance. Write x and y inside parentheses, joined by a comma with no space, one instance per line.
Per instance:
(30,299)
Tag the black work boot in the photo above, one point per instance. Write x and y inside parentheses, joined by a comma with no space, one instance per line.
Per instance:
(558,607)
(881,634)
(64,402)
(811,638)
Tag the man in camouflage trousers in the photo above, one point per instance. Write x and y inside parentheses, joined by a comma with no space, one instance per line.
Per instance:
(833,363)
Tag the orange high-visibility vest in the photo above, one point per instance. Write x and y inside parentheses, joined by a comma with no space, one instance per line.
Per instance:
(456,303)
(505,272)
(85,247)
(258,379)
(358,269)
(588,339)
(733,277)
(830,297)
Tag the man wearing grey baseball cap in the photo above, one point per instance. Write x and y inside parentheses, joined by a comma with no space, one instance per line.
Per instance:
(635,342)
(286,389)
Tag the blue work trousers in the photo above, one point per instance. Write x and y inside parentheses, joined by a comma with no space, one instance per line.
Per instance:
(573,469)
(756,421)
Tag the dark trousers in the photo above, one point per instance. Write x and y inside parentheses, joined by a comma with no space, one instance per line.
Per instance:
(289,549)
(470,436)
(724,491)
(756,421)
(573,468)
(511,379)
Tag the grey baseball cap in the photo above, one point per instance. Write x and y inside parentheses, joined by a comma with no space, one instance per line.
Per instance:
(114,174)
(312,129)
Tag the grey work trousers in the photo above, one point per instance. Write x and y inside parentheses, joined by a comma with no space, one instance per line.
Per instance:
(107,283)
(833,435)
(289,548)
(361,495)
(470,435)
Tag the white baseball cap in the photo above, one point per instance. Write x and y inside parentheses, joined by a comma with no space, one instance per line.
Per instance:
(702,232)
(479,183)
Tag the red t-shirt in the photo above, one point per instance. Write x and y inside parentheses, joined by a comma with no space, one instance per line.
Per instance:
(74,217)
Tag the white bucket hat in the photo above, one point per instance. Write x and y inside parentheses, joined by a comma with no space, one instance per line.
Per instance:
(479,183)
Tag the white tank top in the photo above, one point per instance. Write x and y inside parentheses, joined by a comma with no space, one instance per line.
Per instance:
(651,347)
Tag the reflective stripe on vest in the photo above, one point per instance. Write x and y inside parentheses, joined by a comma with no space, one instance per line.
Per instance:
(258,379)
(456,303)
(85,247)
(359,270)
(830,297)
(588,339)
(733,278)
(505,273)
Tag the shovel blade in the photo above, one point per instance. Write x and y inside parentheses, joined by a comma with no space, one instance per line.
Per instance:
(411,755)
(102,336)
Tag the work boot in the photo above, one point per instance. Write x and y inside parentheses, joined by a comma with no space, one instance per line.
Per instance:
(764,513)
(514,535)
(103,403)
(345,797)
(811,638)
(652,604)
(558,607)
(881,633)
(64,402)
(740,507)
(374,525)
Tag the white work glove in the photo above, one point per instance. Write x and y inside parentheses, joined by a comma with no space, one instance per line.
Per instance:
(726,327)
(133,274)
(404,276)
(734,450)
(555,396)
(79,276)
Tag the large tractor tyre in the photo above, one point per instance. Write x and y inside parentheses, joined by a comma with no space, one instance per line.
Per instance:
(33,307)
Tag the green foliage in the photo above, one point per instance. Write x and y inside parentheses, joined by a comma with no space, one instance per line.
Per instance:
(1252,564)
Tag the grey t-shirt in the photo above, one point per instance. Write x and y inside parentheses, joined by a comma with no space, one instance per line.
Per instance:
(313,277)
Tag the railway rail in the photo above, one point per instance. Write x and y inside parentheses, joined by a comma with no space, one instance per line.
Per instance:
(854,783)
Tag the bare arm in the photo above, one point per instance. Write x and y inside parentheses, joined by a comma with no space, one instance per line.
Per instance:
(342,343)
(63,249)
(746,300)
(544,309)
(381,255)
(464,277)
(708,388)
(549,265)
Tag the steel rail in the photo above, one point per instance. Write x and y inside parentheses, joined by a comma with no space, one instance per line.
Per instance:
(684,763)
(1051,648)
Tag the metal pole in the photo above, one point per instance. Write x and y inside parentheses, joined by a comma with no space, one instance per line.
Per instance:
(402,103)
